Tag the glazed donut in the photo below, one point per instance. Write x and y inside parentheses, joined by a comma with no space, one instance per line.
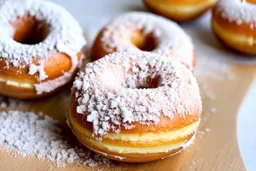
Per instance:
(135,107)
(40,48)
(234,23)
(182,10)
(140,31)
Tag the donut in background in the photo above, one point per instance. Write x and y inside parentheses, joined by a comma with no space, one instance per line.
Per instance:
(140,31)
(234,23)
(179,10)
(40,48)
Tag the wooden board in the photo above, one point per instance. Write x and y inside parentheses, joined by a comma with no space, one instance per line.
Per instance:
(213,150)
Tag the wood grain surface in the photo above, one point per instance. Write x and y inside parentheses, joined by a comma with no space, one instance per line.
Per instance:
(215,147)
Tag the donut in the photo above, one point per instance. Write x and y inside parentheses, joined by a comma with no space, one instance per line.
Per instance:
(40,48)
(180,11)
(234,24)
(141,31)
(135,107)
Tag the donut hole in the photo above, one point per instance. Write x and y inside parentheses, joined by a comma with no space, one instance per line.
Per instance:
(144,42)
(143,83)
(150,83)
(29,31)
(112,78)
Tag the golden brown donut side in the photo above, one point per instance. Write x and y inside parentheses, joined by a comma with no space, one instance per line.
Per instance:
(55,66)
(237,37)
(164,125)
(80,127)
(131,158)
(179,11)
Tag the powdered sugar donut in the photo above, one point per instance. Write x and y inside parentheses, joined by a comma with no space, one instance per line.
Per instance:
(135,107)
(40,47)
(140,31)
(234,23)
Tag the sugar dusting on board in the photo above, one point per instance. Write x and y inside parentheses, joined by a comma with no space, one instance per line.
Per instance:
(207,69)
(30,134)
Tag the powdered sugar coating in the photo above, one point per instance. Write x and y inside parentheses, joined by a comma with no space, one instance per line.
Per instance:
(238,11)
(123,88)
(31,134)
(172,41)
(65,35)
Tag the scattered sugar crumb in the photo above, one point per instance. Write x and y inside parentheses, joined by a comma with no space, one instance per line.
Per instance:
(207,129)
(202,133)
(207,114)
(213,110)
(9,103)
(46,140)
(3,105)
(193,164)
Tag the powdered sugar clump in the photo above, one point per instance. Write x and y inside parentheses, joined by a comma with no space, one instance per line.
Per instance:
(30,134)
(172,41)
(65,35)
(124,88)
(238,12)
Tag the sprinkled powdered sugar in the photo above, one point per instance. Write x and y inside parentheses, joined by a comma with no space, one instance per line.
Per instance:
(30,134)
(124,88)
(172,41)
(9,103)
(238,12)
(65,35)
